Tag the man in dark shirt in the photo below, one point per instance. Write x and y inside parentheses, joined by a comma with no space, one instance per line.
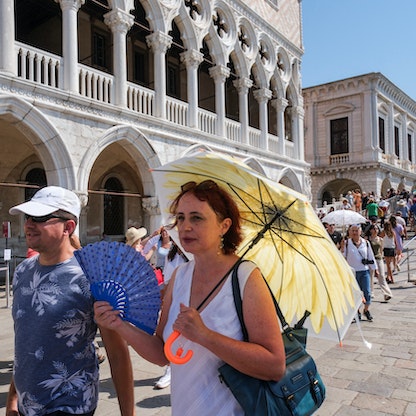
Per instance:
(364,201)
(334,234)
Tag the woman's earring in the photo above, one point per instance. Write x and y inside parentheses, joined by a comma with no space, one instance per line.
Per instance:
(221,246)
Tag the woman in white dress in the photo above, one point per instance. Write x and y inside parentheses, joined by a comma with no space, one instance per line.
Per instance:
(199,304)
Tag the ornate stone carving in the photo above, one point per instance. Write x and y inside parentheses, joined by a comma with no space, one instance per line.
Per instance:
(151,205)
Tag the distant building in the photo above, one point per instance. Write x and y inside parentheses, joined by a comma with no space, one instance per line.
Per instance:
(359,133)
(95,93)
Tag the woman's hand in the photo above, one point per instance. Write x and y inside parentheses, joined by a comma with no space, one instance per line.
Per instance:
(106,316)
(189,323)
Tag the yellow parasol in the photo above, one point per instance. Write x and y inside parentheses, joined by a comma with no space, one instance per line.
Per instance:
(282,235)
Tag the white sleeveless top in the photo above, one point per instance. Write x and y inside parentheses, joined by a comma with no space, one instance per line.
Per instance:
(388,242)
(195,386)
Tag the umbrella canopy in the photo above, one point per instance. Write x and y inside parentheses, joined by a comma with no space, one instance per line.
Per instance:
(282,235)
(344,217)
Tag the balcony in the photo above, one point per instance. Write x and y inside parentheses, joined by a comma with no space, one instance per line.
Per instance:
(43,68)
(340,159)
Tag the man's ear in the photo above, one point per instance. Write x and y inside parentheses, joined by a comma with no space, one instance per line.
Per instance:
(70,226)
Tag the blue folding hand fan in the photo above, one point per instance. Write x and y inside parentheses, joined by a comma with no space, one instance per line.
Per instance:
(121,276)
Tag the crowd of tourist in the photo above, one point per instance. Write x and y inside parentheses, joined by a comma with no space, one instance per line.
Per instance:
(374,248)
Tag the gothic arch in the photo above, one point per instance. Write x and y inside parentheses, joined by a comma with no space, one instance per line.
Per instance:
(132,140)
(276,85)
(266,67)
(246,48)
(44,137)
(288,178)
(255,165)
(190,36)
(156,13)
(195,148)
(283,65)
(292,95)
(216,48)
(227,38)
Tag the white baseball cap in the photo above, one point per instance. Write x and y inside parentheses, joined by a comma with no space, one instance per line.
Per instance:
(48,200)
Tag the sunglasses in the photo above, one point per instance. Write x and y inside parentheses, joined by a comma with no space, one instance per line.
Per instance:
(44,218)
(202,186)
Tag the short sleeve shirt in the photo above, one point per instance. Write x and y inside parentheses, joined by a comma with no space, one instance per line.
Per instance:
(55,364)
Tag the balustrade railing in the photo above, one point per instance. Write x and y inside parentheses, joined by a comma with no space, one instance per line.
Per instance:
(47,69)
(339,159)
(207,121)
(289,149)
(176,111)
(38,66)
(140,99)
(95,84)
(233,130)
(273,143)
(254,137)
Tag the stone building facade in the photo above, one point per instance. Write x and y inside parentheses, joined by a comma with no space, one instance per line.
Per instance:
(96,93)
(359,134)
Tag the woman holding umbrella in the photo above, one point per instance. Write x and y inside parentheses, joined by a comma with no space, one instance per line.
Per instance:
(199,304)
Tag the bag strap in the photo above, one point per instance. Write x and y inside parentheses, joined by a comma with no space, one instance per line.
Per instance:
(239,303)
(218,285)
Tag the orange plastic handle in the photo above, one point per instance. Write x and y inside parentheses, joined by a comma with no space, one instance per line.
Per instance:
(176,358)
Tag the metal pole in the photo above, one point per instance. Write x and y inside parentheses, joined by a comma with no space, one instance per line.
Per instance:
(7,284)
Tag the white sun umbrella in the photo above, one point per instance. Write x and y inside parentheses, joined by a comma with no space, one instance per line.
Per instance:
(343,218)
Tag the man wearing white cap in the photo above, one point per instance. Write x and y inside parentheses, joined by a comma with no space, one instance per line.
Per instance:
(56,368)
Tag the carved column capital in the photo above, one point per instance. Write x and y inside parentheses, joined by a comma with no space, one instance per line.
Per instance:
(151,205)
(119,21)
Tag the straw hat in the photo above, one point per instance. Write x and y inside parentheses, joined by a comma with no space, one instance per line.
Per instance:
(133,234)
(402,202)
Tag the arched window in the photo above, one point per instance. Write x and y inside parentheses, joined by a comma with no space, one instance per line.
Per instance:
(113,208)
(37,177)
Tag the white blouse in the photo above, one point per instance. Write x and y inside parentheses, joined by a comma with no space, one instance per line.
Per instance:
(196,388)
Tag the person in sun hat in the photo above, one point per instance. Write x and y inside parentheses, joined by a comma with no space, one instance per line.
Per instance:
(56,367)
(135,235)
(134,238)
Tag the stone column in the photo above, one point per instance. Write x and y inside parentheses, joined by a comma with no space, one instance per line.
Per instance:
(390,132)
(404,150)
(82,222)
(192,59)
(159,43)
(262,96)
(150,206)
(413,154)
(280,105)
(8,59)
(298,114)
(374,118)
(70,43)
(220,73)
(119,22)
(243,85)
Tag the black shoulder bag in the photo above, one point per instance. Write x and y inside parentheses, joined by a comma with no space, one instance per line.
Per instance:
(299,393)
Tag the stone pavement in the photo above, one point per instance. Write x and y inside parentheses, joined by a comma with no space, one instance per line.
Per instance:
(360,381)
